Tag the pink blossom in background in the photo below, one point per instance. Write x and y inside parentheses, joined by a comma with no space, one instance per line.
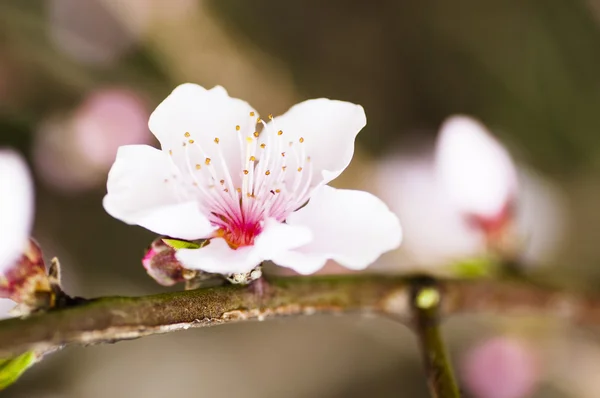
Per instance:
(500,367)
(73,153)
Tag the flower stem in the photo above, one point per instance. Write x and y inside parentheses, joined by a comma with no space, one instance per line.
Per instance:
(425,305)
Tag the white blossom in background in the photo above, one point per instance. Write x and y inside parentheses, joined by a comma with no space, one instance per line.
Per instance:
(476,170)
(224,174)
(16,213)
(435,232)
(440,231)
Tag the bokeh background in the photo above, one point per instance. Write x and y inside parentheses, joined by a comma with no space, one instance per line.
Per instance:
(78,78)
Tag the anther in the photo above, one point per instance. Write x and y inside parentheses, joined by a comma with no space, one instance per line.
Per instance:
(226,190)
(246,172)
(270,116)
(252,159)
(251,113)
(277,190)
(239,190)
(299,168)
(191,141)
(301,140)
(283,168)
(222,182)
(279,132)
(237,128)
(207,161)
(263,146)
(283,154)
(198,167)
(267,172)
(258,120)
(170,152)
(187,134)
(256,134)
(216,140)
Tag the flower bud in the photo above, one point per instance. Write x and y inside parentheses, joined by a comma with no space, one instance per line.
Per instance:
(27,281)
(161,264)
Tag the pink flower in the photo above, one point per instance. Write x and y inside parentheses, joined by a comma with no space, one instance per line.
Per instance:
(257,195)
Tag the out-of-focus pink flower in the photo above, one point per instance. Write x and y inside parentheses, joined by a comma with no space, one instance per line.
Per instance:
(476,170)
(96,31)
(501,367)
(73,153)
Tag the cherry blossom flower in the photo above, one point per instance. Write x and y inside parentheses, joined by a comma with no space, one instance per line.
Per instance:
(257,189)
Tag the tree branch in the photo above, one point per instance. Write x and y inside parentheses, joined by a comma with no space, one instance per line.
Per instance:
(112,319)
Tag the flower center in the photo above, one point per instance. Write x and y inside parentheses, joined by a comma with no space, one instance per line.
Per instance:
(240,235)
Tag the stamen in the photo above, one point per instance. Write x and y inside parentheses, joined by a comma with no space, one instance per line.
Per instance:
(207,161)
(237,128)
(216,140)
(187,134)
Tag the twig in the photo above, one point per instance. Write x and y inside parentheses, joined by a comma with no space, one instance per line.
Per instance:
(425,305)
(112,319)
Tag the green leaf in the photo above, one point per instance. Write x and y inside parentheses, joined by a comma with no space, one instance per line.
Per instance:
(182,244)
(12,369)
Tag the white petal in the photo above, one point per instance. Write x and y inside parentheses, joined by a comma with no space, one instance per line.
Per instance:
(218,257)
(205,115)
(16,207)
(6,306)
(278,237)
(476,169)
(351,227)
(142,190)
(329,128)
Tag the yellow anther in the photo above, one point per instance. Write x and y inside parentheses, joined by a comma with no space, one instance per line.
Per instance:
(279,132)
(216,140)
(283,154)
(283,168)
(191,141)
(270,116)
(239,190)
(251,113)
(198,167)
(187,134)
(258,120)
(249,139)
(246,172)
(207,161)
(301,140)
(237,128)
(170,152)
(299,168)
(255,134)
(267,172)
(252,159)
(263,146)
(222,182)
(277,190)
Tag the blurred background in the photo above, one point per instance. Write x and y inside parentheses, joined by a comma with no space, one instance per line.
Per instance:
(79,78)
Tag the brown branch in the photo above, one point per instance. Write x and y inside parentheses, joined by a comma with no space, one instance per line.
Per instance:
(113,319)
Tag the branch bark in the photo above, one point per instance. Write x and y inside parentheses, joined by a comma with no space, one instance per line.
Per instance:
(111,319)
